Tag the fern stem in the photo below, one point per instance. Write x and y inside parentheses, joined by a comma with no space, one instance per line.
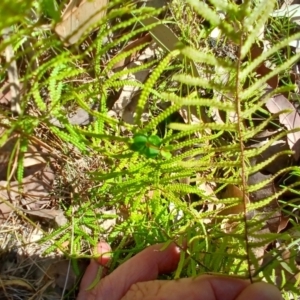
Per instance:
(240,130)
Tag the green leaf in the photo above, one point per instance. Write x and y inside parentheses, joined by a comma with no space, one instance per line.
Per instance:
(139,139)
(50,9)
(155,140)
(138,147)
(139,143)
(151,152)
(165,154)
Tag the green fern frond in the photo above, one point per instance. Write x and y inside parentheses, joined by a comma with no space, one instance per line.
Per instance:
(269,161)
(261,14)
(158,205)
(255,130)
(205,11)
(122,83)
(199,127)
(191,142)
(161,117)
(69,139)
(123,55)
(37,97)
(247,70)
(206,58)
(20,167)
(262,81)
(127,36)
(263,239)
(205,83)
(200,102)
(189,133)
(150,83)
(185,188)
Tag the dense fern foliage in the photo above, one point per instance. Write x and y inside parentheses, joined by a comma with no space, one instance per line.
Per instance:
(156,181)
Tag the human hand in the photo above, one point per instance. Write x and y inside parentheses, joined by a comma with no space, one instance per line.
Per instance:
(136,280)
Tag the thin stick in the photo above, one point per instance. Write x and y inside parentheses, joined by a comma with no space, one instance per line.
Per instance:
(12,72)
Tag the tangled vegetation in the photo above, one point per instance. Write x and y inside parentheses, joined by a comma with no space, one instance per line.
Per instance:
(186,130)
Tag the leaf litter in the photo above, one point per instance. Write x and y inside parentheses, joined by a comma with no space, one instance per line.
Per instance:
(76,20)
(291,120)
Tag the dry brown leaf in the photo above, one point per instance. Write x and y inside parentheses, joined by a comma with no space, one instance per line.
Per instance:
(262,70)
(233,191)
(5,209)
(32,158)
(79,19)
(5,93)
(72,5)
(284,221)
(269,216)
(63,274)
(290,120)
(208,192)
(38,185)
(78,117)
(265,134)
(48,215)
(35,186)
(162,34)
(6,197)
(6,192)
(256,50)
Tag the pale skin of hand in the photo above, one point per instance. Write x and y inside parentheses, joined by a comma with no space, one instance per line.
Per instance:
(136,280)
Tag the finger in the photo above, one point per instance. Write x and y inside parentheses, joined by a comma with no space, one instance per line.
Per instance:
(145,266)
(103,249)
(260,291)
(244,289)
(225,288)
(200,288)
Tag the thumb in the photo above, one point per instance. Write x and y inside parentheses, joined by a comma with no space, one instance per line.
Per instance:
(260,291)
(103,250)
